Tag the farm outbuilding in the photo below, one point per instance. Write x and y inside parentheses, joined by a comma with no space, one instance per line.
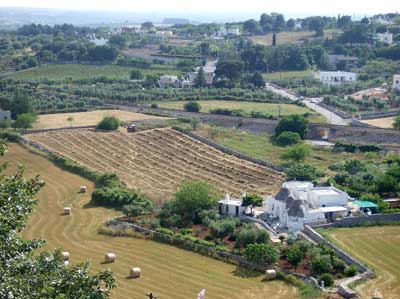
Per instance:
(367,207)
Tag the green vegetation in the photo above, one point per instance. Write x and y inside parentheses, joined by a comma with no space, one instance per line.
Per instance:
(287,138)
(25,121)
(293,123)
(192,106)
(297,153)
(108,123)
(261,253)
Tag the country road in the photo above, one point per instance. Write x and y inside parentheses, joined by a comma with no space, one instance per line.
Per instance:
(312,104)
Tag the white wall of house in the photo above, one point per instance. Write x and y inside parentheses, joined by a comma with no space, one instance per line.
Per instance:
(396,82)
(335,78)
(385,38)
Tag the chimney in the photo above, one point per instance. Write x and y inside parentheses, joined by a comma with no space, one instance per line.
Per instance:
(244,195)
(227,196)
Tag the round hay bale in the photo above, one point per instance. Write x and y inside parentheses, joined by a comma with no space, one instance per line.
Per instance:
(67,211)
(134,273)
(109,257)
(66,263)
(82,189)
(65,255)
(270,274)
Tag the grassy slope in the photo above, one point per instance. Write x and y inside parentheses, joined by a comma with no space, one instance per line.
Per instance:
(166,270)
(260,146)
(269,108)
(79,71)
(378,247)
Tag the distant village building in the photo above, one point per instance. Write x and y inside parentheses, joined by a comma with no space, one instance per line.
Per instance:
(5,115)
(99,41)
(381,21)
(169,81)
(385,38)
(300,203)
(298,25)
(396,82)
(209,73)
(335,78)
(223,31)
(164,34)
(347,62)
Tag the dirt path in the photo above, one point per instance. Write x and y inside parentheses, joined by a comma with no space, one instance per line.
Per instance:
(166,270)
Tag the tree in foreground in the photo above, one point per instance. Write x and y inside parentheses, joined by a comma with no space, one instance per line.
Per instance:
(287,138)
(108,123)
(261,253)
(25,274)
(297,153)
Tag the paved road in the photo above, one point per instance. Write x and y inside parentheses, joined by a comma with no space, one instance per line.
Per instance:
(311,103)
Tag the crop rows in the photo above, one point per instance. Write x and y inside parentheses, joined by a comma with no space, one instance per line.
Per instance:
(157,161)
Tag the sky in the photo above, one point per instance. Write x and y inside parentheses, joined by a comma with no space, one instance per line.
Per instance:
(288,7)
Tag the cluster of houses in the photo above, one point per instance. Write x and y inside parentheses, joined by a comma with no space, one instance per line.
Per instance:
(189,80)
(227,32)
(298,204)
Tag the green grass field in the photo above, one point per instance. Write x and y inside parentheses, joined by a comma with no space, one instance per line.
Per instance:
(247,107)
(288,75)
(60,72)
(260,146)
(379,248)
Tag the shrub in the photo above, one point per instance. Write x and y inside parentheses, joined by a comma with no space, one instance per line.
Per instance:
(302,172)
(338,265)
(261,253)
(350,271)
(294,255)
(327,278)
(132,210)
(25,120)
(192,106)
(250,234)
(321,264)
(107,180)
(252,200)
(118,197)
(222,228)
(287,138)
(108,123)
(154,105)
(297,153)
(293,123)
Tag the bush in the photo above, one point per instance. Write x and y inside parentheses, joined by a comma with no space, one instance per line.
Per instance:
(350,271)
(108,123)
(293,123)
(252,200)
(132,210)
(327,278)
(297,153)
(321,264)
(107,180)
(119,197)
(287,138)
(249,234)
(261,253)
(302,172)
(192,106)
(222,228)
(25,120)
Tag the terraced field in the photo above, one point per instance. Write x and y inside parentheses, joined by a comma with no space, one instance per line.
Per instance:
(378,247)
(157,161)
(170,272)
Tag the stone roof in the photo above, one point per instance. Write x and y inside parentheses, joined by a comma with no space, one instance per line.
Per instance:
(295,207)
(283,194)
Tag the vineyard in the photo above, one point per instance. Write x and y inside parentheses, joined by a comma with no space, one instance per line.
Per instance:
(157,161)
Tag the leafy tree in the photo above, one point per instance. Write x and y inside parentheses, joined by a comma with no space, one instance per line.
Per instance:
(231,69)
(302,172)
(350,271)
(19,104)
(297,153)
(25,274)
(25,120)
(249,234)
(108,123)
(147,25)
(200,79)
(192,106)
(317,25)
(103,53)
(192,198)
(132,210)
(261,253)
(257,80)
(252,27)
(222,228)
(293,123)
(70,119)
(287,138)
(327,278)
(294,255)
(252,200)
(136,74)
(355,34)
(117,40)
(321,264)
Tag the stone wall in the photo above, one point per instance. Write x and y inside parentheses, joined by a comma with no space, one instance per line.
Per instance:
(348,259)
(376,219)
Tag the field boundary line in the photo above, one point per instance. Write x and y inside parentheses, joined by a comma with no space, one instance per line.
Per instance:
(229,151)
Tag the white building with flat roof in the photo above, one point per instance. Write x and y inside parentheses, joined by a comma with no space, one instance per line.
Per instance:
(396,82)
(385,38)
(335,78)
(300,203)
(231,207)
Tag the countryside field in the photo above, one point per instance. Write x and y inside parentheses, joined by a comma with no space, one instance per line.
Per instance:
(386,122)
(288,75)
(157,161)
(168,271)
(261,147)
(378,247)
(294,37)
(60,120)
(247,107)
(61,72)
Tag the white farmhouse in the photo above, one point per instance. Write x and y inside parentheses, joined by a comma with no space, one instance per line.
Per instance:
(223,31)
(300,203)
(396,82)
(385,38)
(169,81)
(231,207)
(335,78)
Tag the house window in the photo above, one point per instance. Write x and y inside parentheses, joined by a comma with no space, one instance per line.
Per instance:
(227,209)
(272,207)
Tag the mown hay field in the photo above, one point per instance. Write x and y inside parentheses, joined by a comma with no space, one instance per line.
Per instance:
(378,247)
(386,122)
(170,272)
(60,120)
(157,161)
